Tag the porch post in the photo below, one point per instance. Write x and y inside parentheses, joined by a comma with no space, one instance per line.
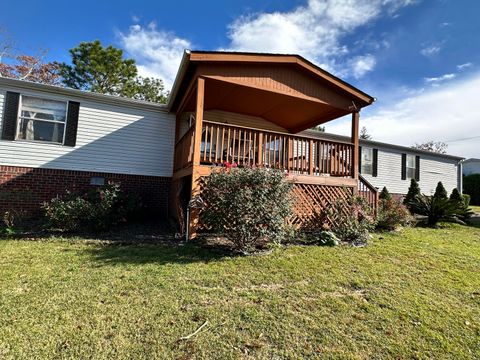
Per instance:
(356,143)
(197,140)
(198,121)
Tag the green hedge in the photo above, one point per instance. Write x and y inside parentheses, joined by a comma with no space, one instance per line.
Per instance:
(471,186)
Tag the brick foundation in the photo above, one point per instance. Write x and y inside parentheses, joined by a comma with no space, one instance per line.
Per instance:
(26,189)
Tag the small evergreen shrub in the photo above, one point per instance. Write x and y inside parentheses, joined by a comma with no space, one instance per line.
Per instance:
(457,198)
(352,219)
(384,194)
(98,209)
(466,200)
(471,186)
(247,205)
(440,191)
(413,192)
(391,214)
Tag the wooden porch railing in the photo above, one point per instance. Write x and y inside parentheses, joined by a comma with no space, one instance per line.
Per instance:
(184,150)
(222,143)
(368,192)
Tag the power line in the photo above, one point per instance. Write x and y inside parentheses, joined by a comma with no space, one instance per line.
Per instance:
(463,139)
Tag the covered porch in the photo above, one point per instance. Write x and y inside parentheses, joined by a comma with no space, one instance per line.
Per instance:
(250,110)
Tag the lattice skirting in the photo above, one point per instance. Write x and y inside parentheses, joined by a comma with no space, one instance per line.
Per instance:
(311,203)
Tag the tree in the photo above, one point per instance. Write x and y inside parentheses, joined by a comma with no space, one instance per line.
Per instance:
(440,191)
(384,194)
(433,146)
(319,128)
(364,135)
(104,70)
(413,192)
(26,67)
(456,197)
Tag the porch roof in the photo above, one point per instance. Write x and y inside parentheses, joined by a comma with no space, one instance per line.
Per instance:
(285,89)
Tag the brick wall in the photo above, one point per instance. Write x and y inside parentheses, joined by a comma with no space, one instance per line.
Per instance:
(26,189)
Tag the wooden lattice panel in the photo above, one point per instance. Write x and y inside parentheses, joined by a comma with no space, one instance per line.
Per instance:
(311,202)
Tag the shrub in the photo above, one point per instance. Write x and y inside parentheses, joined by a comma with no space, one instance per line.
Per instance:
(98,209)
(471,186)
(352,219)
(413,192)
(439,209)
(317,237)
(11,219)
(466,199)
(456,197)
(392,214)
(67,214)
(440,191)
(248,206)
(384,194)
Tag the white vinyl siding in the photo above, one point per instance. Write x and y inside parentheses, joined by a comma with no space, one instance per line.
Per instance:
(110,138)
(432,170)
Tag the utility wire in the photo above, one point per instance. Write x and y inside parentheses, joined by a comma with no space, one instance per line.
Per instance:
(463,139)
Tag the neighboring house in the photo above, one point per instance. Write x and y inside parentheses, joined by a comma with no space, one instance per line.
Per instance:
(394,166)
(471,166)
(243,108)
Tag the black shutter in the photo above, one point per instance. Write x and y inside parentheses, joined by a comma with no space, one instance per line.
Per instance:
(404,166)
(359,159)
(375,163)
(10,115)
(417,168)
(72,123)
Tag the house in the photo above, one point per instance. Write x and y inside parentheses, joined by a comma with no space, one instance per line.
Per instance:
(471,166)
(393,166)
(244,108)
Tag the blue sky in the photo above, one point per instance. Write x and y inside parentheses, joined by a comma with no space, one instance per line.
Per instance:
(419,58)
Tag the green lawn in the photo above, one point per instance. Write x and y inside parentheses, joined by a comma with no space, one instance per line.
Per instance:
(408,295)
(476,209)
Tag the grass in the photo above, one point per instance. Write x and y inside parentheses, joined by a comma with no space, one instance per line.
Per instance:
(414,294)
(475,209)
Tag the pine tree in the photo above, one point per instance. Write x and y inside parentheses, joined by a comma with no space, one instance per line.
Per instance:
(384,194)
(413,192)
(440,191)
(457,198)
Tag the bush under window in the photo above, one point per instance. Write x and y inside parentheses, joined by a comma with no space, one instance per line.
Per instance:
(98,209)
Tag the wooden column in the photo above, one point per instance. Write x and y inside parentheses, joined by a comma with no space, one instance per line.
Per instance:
(198,121)
(197,140)
(310,157)
(356,143)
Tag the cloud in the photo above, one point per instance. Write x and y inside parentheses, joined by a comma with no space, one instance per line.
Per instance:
(439,79)
(464,66)
(442,114)
(158,53)
(361,65)
(314,31)
(430,50)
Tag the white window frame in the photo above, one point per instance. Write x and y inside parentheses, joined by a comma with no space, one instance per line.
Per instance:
(414,168)
(362,164)
(20,118)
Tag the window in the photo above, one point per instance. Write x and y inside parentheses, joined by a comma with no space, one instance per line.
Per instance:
(367,161)
(411,168)
(41,120)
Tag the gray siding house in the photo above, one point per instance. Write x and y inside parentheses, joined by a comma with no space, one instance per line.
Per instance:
(251,109)
(471,166)
(393,166)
